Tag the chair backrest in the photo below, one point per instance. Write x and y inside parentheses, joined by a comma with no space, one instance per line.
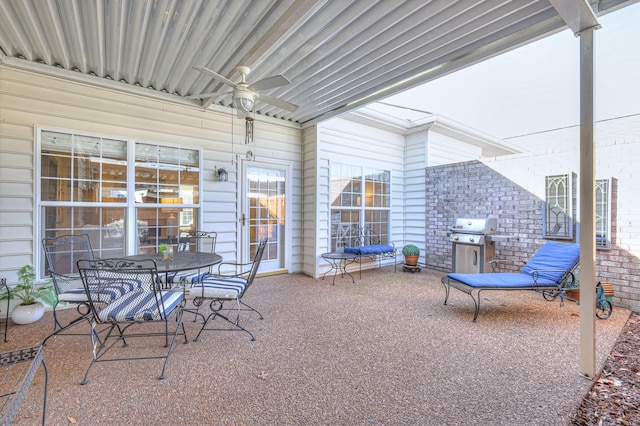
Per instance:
(554,260)
(62,254)
(256,263)
(106,280)
(198,241)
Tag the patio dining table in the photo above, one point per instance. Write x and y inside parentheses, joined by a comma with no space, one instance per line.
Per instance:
(181,261)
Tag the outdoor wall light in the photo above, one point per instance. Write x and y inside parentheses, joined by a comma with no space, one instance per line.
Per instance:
(223,176)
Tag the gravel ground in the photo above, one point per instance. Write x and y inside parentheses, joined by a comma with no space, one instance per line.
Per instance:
(382,351)
(615,396)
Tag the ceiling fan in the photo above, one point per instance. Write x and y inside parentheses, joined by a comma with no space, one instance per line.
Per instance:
(245,94)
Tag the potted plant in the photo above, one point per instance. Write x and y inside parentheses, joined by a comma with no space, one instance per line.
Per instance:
(166,250)
(411,254)
(30,308)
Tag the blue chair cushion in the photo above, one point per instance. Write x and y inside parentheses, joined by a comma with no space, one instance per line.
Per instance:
(218,288)
(501,280)
(553,259)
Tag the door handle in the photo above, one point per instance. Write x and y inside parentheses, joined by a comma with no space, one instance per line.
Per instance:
(242,219)
(475,258)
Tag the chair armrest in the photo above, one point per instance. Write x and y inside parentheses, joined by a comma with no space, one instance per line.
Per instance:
(494,263)
(235,265)
(536,273)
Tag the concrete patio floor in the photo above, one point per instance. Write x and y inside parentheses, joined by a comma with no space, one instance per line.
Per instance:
(382,351)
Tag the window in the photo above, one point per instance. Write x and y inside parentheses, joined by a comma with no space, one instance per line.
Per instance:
(360,197)
(87,186)
(603,213)
(558,207)
(166,190)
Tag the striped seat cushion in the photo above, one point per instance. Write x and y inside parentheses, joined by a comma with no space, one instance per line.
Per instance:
(186,277)
(141,305)
(219,288)
(108,292)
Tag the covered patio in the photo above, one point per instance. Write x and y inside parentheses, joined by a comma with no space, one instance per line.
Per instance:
(384,350)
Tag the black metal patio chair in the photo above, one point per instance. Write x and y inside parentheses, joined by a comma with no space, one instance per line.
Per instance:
(199,241)
(124,295)
(217,289)
(62,254)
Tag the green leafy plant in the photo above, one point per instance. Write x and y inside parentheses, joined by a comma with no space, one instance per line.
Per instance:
(27,292)
(410,250)
(162,248)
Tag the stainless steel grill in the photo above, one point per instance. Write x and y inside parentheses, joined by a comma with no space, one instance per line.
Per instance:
(472,246)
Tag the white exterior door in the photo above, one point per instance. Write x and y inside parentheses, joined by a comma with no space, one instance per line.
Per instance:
(265,204)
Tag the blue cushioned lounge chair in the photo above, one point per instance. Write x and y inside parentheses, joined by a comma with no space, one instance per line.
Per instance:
(550,271)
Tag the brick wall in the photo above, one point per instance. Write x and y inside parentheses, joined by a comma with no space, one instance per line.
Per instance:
(473,189)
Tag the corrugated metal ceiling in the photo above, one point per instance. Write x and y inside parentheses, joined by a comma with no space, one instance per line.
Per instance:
(338,54)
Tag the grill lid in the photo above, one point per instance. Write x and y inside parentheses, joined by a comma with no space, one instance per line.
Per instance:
(485,226)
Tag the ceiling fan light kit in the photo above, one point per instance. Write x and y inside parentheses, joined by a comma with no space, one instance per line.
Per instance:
(243,100)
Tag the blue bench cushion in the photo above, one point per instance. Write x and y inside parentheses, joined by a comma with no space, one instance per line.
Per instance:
(141,305)
(219,288)
(370,249)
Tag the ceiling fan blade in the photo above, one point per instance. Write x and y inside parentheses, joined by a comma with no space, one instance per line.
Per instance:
(278,102)
(217,76)
(269,83)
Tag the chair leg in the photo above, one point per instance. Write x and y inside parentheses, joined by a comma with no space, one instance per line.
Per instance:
(216,307)
(56,323)
(179,325)
(253,309)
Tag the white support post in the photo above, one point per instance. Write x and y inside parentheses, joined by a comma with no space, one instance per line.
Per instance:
(587,207)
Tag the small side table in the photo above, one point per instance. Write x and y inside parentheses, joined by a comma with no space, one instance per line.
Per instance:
(339,261)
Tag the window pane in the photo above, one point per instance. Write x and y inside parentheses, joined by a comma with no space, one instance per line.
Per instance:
(377,188)
(603,208)
(344,227)
(558,222)
(163,225)
(160,173)
(378,222)
(105,226)
(346,184)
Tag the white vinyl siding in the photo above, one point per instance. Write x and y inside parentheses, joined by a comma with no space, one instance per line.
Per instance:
(30,99)
(347,142)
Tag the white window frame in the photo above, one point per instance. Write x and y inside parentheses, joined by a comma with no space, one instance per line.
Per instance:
(130,206)
(358,203)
